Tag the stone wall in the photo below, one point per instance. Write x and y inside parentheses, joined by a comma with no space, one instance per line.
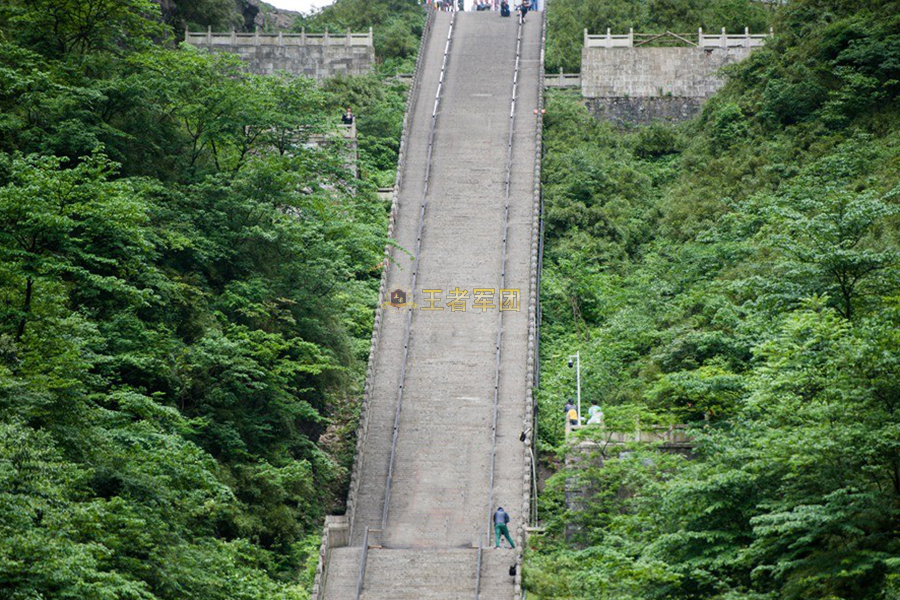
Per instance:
(642,85)
(655,72)
(315,56)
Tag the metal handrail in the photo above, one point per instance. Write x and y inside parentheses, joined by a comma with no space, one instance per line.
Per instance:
(478,567)
(362,564)
(499,345)
(415,272)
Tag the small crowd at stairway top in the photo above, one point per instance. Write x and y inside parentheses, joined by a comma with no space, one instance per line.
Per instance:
(501,6)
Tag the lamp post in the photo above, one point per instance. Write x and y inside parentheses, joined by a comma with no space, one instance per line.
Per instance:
(577,363)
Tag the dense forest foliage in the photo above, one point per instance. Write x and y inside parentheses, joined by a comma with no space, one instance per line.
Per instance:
(186,295)
(739,273)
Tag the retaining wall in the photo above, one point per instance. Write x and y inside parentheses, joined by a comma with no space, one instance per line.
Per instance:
(641,85)
(655,72)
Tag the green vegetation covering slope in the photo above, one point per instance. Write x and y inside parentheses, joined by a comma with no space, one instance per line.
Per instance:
(742,268)
(186,295)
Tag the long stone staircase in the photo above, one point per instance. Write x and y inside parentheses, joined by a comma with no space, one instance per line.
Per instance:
(448,393)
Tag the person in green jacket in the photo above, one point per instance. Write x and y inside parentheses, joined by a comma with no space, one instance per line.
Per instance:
(500,521)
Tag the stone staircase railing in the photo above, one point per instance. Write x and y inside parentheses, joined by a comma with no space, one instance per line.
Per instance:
(335,534)
(338,529)
(533,324)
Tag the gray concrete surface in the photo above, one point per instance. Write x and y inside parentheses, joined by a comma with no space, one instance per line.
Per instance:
(439,505)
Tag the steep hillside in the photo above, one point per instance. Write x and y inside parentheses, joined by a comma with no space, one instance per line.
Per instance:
(186,298)
(741,273)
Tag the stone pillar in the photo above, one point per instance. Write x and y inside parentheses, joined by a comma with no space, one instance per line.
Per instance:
(724,39)
(209,35)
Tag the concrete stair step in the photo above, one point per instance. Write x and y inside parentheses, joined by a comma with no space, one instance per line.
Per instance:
(496,581)
(343,573)
(420,574)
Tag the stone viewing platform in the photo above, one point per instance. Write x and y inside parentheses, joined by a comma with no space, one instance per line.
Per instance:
(317,55)
(638,78)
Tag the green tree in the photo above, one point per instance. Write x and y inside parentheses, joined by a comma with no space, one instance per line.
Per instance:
(68,228)
(60,27)
(830,239)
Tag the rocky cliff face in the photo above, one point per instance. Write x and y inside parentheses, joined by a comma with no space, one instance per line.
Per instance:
(242,15)
(265,16)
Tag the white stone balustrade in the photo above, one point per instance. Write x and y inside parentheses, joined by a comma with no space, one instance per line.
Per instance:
(231,38)
(704,40)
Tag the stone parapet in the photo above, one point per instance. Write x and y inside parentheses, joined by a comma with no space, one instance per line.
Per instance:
(335,534)
(533,324)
